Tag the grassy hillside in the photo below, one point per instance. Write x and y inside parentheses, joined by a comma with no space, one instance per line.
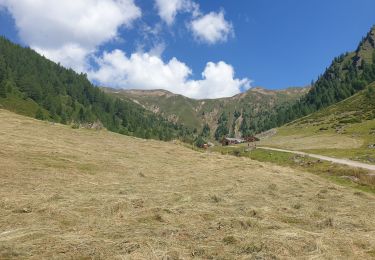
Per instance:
(365,49)
(347,75)
(176,108)
(85,194)
(195,113)
(34,86)
(346,129)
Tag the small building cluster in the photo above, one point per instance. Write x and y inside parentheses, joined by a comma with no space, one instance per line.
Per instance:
(251,139)
(232,141)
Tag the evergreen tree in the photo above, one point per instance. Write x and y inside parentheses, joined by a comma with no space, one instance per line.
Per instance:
(206,130)
(39,114)
(222,129)
(3,92)
(370,93)
(81,115)
(199,142)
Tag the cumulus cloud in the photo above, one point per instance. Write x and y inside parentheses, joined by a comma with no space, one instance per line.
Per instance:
(71,31)
(70,55)
(146,71)
(211,28)
(168,9)
(67,31)
(218,81)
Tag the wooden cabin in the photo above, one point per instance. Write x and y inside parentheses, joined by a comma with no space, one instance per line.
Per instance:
(231,141)
(251,139)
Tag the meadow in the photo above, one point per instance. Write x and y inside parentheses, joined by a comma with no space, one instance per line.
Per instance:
(343,130)
(86,194)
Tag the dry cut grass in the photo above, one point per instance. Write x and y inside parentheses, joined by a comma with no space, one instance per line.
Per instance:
(83,194)
(310,141)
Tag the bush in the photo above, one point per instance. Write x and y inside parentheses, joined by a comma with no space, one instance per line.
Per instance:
(351,120)
(3,92)
(199,142)
(75,125)
(370,93)
(39,114)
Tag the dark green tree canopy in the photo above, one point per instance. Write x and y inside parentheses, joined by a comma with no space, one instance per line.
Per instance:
(64,96)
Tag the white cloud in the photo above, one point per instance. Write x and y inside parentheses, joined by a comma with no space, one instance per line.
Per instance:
(157,49)
(71,31)
(168,9)
(146,71)
(70,55)
(211,28)
(218,81)
(67,31)
(139,71)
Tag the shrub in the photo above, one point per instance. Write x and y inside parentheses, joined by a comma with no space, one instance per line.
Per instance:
(351,120)
(199,142)
(75,125)
(39,114)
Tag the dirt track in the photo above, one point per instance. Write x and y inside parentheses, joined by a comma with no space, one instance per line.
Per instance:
(326,158)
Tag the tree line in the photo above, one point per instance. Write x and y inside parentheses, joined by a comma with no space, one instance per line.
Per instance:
(348,74)
(66,97)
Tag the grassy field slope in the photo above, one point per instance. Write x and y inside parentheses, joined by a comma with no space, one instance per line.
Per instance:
(77,193)
(346,130)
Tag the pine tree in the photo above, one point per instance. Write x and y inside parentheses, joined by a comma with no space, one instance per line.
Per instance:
(81,115)
(39,114)
(222,129)
(199,142)
(206,130)
(3,91)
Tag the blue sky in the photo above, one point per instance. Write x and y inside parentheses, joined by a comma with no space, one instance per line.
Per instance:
(202,49)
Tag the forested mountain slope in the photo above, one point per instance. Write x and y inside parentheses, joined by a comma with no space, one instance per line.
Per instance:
(258,109)
(35,86)
(345,129)
(223,116)
(347,75)
(32,85)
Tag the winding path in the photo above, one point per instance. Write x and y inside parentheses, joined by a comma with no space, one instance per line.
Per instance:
(326,158)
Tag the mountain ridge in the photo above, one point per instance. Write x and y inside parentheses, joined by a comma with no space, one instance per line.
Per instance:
(30,82)
(196,113)
(254,111)
(161,92)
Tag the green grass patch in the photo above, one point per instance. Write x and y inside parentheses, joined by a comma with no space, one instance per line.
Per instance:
(344,130)
(365,155)
(17,104)
(340,174)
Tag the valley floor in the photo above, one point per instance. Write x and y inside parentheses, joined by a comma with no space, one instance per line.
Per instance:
(76,193)
(326,158)
(345,130)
